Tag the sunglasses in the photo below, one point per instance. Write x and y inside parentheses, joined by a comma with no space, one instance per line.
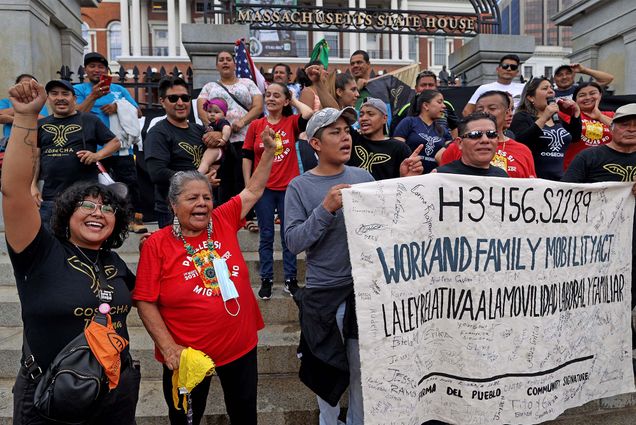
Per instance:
(477,134)
(89,207)
(509,66)
(174,98)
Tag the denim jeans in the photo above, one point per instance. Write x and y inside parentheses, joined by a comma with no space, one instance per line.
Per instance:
(355,412)
(270,202)
(46,213)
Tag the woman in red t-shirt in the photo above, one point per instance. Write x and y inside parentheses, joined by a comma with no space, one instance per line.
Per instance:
(193,290)
(287,127)
(595,123)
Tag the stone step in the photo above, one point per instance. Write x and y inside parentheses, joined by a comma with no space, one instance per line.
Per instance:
(131,259)
(282,400)
(280,309)
(248,242)
(276,350)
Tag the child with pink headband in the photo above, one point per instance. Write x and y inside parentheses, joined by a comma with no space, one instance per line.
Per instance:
(216,109)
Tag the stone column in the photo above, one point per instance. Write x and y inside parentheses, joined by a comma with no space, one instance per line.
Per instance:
(125,27)
(363,35)
(172,29)
(135,28)
(183,19)
(629,38)
(395,41)
(145,38)
(204,42)
(41,36)
(318,35)
(404,37)
(479,58)
(353,37)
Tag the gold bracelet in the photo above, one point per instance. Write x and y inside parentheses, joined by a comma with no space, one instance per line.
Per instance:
(25,128)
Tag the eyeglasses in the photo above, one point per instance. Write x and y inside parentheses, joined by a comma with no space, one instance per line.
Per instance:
(476,134)
(89,207)
(509,66)
(174,98)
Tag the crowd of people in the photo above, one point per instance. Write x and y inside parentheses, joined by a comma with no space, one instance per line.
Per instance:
(259,158)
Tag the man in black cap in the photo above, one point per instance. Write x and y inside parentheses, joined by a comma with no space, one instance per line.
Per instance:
(564,78)
(67,141)
(100,97)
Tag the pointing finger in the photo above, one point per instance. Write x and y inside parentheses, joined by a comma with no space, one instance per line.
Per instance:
(417,151)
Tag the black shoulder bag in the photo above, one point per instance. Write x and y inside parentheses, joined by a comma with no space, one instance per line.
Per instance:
(75,383)
(233,97)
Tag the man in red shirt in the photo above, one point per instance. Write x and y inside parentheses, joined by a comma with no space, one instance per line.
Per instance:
(513,157)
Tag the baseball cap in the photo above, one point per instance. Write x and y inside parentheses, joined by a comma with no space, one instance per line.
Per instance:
(625,111)
(59,83)
(95,57)
(327,116)
(375,103)
(562,67)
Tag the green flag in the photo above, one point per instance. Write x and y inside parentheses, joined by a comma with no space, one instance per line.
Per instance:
(321,53)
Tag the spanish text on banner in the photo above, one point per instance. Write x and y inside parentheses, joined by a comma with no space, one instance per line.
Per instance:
(490,301)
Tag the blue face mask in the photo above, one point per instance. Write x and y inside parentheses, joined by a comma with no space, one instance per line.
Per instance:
(228,290)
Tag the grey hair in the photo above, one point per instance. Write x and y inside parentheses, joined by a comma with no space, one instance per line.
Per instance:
(180,179)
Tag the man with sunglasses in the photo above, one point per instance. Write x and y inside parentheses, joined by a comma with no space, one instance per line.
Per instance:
(507,71)
(174,144)
(512,156)
(478,144)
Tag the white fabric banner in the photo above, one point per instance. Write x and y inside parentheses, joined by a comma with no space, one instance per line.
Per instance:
(490,301)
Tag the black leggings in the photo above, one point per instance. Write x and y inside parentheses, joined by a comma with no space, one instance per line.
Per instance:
(238,380)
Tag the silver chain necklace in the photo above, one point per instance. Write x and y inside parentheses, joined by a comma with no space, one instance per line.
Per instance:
(95,263)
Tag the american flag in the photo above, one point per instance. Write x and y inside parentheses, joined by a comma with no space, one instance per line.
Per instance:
(245,66)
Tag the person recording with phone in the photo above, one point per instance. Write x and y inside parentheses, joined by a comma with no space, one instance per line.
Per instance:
(100,96)
(546,126)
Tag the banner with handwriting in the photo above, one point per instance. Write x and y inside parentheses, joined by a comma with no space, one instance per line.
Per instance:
(488,300)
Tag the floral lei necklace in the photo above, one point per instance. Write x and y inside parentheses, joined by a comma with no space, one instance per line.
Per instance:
(203,260)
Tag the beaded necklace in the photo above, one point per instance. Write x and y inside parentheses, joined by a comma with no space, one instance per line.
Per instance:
(203,261)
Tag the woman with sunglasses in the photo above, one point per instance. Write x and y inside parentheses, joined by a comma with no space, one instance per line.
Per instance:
(61,291)
(595,124)
(547,127)
(287,128)
(426,128)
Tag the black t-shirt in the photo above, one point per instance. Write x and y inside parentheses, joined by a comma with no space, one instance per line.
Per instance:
(170,149)
(380,158)
(548,144)
(59,140)
(458,167)
(601,164)
(58,292)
